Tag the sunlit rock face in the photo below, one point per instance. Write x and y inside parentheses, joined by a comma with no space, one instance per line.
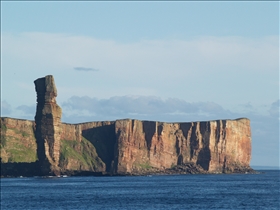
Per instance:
(48,125)
(216,146)
(18,143)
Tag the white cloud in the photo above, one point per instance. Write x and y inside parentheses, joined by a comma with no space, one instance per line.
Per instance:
(5,108)
(62,50)
(27,110)
(274,109)
(227,70)
(143,107)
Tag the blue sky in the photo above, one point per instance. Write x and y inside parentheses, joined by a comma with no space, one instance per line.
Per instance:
(166,61)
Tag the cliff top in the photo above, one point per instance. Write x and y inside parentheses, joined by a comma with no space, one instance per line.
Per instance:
(244,118)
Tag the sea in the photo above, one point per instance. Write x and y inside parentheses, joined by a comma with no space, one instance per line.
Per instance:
(203,191)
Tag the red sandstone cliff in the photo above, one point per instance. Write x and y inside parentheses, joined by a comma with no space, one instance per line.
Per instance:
(216,146)
(133,146)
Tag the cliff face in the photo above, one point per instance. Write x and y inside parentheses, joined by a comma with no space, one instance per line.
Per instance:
(87,146)
(216,146)
(133,146)
(77,154)
(18,143)
(119,147)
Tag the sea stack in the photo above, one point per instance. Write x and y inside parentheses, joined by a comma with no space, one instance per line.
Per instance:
(48,125)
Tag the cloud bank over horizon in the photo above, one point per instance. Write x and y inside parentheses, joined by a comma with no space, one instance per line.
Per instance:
(149,107)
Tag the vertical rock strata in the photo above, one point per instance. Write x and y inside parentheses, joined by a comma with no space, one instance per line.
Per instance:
(128,146)
(48,123)
(215,146)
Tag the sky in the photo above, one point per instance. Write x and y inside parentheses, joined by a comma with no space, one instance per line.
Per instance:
(163,61)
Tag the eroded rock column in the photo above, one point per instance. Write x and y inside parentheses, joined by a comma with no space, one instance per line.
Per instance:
(48,121)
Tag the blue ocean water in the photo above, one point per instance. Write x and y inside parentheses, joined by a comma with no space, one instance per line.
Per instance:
(223,191)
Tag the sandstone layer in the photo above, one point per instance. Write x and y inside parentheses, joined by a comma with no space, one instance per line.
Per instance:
(128,147)
(48,120)
(216,146)
(122,147)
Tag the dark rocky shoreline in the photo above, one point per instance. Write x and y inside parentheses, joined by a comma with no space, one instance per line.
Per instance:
(29,170)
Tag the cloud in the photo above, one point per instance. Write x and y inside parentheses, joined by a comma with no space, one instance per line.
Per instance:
(247,106)
(27,110)
(20,112)
(180,55)
(209,66)
(85,69)
(143,107)
(274,109)
(5,108)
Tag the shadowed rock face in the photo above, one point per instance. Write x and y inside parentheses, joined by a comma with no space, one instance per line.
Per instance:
(48,124)
(122,146)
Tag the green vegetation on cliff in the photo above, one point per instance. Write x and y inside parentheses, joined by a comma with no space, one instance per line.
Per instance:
(103,139)
(145,165)
(17,145)
(79,155)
